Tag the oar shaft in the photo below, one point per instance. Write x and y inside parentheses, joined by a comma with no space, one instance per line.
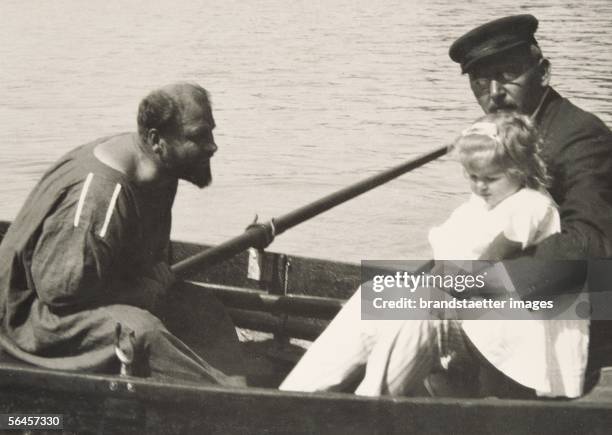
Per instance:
(257,235)
(319,206)
(221,252)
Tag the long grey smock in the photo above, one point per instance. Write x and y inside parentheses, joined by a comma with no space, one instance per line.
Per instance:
(78,259)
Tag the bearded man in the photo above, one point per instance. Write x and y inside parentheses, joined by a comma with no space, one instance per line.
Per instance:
(84,266)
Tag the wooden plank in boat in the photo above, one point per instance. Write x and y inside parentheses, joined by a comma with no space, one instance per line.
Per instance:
(306,276)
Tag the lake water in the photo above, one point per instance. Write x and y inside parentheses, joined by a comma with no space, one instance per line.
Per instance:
(309,96)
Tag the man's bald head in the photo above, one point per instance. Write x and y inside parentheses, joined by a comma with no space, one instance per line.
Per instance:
(167,109)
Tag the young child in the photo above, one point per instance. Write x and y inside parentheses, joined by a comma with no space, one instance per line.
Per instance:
(509,208)
(508,211)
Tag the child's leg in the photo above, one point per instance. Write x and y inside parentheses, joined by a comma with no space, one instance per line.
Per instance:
(339,355)
(403,355)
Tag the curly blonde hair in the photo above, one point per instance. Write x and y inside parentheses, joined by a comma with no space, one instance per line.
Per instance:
(508,140)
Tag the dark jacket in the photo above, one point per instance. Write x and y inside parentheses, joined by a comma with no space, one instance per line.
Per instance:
(578,151)
(577,148)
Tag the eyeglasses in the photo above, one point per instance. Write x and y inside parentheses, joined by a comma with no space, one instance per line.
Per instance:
(506,74)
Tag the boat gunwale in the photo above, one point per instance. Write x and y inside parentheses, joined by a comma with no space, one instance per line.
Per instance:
(155,391)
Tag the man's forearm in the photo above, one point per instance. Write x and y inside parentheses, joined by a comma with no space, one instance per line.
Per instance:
(533,278)
(578,241)
(558,264)
(146,290)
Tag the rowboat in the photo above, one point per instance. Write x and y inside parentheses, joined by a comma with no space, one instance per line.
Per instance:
(293,298)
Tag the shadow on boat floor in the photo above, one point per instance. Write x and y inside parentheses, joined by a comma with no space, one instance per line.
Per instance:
(268,359)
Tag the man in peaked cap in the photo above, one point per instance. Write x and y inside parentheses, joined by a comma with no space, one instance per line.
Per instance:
(498,53)
(507,71)
(505,64)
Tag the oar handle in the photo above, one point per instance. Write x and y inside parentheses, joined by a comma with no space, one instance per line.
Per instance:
(258,235)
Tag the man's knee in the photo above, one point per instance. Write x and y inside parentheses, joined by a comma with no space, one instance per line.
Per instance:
(136,320)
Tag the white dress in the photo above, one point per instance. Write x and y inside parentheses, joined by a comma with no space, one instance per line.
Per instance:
(549,356)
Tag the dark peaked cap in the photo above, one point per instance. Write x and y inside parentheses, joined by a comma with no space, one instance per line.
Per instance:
(492,38)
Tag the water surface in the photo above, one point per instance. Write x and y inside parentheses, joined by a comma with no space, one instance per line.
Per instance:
(309,96)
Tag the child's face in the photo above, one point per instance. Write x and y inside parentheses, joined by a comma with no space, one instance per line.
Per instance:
(491,182)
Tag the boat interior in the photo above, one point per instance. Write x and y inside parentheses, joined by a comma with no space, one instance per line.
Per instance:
(279,305)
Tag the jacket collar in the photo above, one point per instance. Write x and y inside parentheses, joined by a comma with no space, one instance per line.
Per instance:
(549,96)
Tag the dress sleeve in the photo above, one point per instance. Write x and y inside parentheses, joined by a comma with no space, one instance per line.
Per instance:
(446,239)
(532,217)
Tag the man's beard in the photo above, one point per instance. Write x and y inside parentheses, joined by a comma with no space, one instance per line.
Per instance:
(199,176)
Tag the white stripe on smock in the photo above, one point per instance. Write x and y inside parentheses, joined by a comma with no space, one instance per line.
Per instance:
(81,202)
(109,210)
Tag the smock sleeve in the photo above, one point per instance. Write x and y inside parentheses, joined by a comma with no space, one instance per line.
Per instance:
(79,246)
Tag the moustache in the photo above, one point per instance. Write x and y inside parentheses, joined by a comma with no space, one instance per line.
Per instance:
(495,106)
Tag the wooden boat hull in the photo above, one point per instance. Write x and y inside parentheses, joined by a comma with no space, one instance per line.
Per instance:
(112,404)
(107,404)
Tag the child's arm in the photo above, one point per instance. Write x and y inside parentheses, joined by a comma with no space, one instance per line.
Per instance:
(501,248)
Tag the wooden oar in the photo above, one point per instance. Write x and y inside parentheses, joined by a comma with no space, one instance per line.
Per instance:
(259,234)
